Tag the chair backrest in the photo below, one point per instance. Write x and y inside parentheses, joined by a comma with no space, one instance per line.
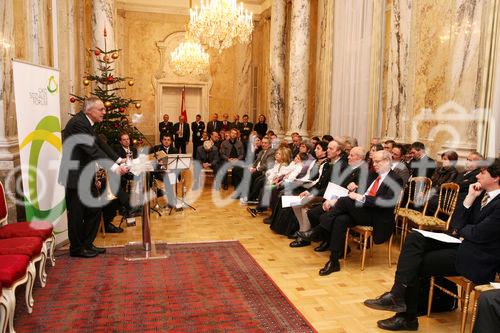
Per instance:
(400,199)
(447,201)
(419,190)
(4,211)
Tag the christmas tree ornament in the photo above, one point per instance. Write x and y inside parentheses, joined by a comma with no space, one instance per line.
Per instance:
(138,105)
(110,90)
(134,141)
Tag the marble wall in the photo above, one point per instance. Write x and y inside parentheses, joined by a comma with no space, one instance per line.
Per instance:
(435,51)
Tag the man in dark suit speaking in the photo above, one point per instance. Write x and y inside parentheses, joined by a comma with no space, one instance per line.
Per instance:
(477,257)
(82,149)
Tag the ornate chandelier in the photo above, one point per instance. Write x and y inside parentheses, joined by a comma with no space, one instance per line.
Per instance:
(189,58)
(220,23)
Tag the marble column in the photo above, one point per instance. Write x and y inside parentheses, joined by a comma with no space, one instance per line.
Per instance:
(9,152)
(103,19)
(243,68)
(38,32)
(398,106)
(299,68)
(324,66)
(277,68)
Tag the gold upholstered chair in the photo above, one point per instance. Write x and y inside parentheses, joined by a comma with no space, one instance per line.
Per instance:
(466,287)
(447,201)
(419,189)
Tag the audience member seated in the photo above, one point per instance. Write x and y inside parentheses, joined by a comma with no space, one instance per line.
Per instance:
(468,176)
(356,171)
(282,219)
(477,257)
(263,162)
(272,179)
(207,157)
(232,151)
(215,138)
(261,126)
(160,176)
(254,148)
(398,166)
(375,208)
(446,173)
(388,145)
(337,165)
(295,144)
(369,155)
(488,312)
(421,165)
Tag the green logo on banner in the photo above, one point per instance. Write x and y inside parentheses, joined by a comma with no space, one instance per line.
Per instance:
(44,132)
(52,85)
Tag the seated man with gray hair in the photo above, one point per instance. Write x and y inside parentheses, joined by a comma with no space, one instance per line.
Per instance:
(207,157)
(374,207)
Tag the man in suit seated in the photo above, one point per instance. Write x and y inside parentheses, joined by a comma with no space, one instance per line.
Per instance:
(263,162)
(208,159)
(232,151)
(477,257)
(488,312)
(166,126)
(375,208)
(472,169)
(421,165)
(181,135)
(161,174)
(398,166)
(356,170)
(122,201)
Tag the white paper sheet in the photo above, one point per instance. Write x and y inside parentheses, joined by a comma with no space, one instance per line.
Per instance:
(290,200)
(335,191)
(439,236)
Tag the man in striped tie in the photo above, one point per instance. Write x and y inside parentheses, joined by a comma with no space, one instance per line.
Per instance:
(370,206)
(477,222)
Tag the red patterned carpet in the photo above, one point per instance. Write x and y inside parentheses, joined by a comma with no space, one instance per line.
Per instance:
(201,287)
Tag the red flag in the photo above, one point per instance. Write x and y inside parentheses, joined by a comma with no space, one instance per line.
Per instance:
(183,105)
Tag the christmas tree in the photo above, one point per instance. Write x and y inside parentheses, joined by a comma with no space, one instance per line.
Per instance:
(108,87)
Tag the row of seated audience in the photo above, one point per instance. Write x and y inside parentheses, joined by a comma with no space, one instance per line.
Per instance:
(374,181)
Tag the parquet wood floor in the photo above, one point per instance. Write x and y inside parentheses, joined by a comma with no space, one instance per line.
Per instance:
(331,304)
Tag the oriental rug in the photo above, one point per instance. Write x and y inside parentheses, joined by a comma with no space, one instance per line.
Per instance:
(201,287)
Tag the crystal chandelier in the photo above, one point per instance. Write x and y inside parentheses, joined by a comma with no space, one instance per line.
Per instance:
(189,58)
(220,23)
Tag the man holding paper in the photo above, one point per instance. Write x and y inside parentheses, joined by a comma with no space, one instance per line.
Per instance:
(375,207)
(477,257)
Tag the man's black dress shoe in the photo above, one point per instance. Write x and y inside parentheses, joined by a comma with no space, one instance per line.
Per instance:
(98,250)
(268,220)
(112,229)
(386,302)
(252,211)
(322,247)
(83,254)
(330,267)
(311,235)
(299,242)
(398,323)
